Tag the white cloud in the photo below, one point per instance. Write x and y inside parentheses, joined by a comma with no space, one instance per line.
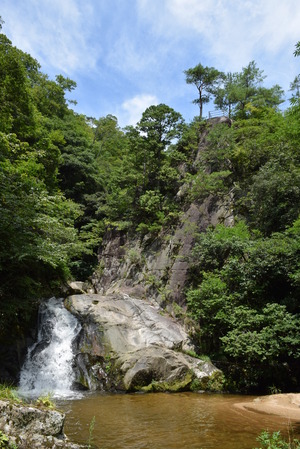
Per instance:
(231,31)
(127,56)
(132,109)
(54,32)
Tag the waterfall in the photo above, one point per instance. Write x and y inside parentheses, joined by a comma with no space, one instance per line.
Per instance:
(48,365)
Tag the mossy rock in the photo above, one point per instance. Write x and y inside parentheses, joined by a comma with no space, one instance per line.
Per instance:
(214,383)
(164,386)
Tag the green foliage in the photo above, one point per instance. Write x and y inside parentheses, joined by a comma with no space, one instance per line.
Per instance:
(5,442)
(179,313)
(255,161)
(161,124)
(143,172)
(295,88)
(275,441)
(265,336)
(16,109)
(214,383)
(174,386)
(205,184)
(218,153)
(245,301)
(239,91)
(214,247)
(297,50)
(38,234)
(7,392)
(134,256)
(275,194)
(45,402)
(150,201)
(205,79)
(66,178)
(91,430)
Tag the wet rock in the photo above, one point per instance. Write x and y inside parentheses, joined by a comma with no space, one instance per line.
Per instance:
(130,344)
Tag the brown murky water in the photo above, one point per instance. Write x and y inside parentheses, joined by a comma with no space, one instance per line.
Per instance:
(168,421)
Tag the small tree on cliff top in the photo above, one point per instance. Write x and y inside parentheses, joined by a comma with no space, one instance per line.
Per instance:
(206,80)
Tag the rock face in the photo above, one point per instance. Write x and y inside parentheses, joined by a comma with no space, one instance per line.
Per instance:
(156,268)
(31,427)
(131,345)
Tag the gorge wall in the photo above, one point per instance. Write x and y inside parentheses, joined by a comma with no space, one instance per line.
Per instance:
(156,268)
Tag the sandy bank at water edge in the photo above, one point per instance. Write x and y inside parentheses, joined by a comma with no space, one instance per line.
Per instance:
(284,405)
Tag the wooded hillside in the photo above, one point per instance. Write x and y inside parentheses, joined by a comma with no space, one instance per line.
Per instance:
(66,179)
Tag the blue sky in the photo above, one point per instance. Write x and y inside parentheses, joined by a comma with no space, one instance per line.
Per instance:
(128,54)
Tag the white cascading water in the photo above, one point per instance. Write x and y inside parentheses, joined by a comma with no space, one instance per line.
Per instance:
(48,365)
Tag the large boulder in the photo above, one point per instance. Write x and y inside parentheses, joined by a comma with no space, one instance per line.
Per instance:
(31,427)
(130,344)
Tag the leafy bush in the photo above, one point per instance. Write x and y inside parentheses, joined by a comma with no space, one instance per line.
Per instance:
(45,401)
(275,441)
(8,392)
(244,299)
